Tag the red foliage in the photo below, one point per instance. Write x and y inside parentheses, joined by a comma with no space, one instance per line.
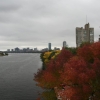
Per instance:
(49,78)
(64,56)
(90,51)
(95,48)
(54,67)
(38,99)
(96,66)
(86,53)
(78,75)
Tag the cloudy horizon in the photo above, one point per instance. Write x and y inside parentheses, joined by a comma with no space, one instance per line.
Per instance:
(35,23)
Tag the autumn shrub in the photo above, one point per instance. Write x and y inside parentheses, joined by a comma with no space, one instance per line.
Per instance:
(95,48)
(47,56)
(85,52)
(77,76)
(49,95)
(73,50)
(49,78)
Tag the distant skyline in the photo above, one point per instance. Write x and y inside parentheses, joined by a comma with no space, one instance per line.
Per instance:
(35,23)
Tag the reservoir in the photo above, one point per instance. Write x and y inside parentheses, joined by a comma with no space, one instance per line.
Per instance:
(16,76)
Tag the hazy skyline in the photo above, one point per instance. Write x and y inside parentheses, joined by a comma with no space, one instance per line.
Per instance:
(35,23)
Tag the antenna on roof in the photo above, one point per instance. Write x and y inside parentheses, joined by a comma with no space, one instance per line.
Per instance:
(86,19)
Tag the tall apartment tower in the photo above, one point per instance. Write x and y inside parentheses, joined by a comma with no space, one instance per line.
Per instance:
(49,46)
(85,34)
(64,44)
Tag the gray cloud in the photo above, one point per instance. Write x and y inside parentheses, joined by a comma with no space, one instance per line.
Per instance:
(34,23)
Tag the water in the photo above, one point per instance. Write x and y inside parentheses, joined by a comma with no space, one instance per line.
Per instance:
(16,76)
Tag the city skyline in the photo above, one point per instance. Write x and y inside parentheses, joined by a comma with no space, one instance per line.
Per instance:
(35,48)
(35,23)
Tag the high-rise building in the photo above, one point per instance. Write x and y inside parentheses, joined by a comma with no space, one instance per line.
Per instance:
(17,49)
(49,46)
(64,44)
(8,50)
(99,38)
(35,49)
(85,34)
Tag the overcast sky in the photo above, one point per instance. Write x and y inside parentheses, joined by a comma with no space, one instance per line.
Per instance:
(35,23)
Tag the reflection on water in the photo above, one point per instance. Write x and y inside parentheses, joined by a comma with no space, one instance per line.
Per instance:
(16,76)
